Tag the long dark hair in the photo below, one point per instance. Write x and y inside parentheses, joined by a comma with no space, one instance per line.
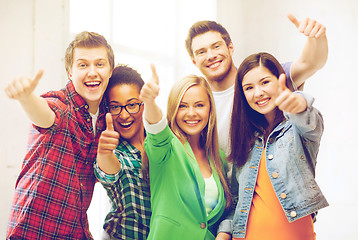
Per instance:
(246,123)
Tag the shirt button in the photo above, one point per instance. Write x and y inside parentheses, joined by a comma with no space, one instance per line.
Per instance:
(275,175)
(81,184)
(283,195)
(270,157)
(86,106)
(202,225)
(272,140)
(88,120)
(293,214)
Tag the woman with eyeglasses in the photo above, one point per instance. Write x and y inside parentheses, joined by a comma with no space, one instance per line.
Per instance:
(119,158)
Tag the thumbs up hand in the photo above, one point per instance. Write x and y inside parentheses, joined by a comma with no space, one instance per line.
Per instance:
(288,101)
(108,140)
(150,90)
(21,87)
(309,27)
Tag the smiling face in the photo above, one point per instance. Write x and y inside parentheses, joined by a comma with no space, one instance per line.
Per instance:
(90,74)
(129,125)
(212,56)
(194,111)
(260,88)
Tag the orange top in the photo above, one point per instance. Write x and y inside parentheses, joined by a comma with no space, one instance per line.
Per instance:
(267,219)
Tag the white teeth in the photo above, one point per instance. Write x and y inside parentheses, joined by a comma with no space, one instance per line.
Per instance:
(126,124)
(214,65)
(192,122)
(92,83)
(262,102)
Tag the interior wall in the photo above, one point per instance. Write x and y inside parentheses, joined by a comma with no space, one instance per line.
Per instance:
(256,26)
(34,36)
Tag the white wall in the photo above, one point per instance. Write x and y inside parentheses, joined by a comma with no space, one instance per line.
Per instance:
(35,35)
(258,25)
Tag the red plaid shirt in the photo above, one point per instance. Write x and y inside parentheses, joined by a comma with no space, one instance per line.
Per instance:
(55,186)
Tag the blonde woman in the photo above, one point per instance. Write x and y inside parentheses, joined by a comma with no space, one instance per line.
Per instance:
(188,188)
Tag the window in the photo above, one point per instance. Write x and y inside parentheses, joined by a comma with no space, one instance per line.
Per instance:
(141,32)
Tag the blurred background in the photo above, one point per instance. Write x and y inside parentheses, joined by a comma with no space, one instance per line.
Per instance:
(35,34)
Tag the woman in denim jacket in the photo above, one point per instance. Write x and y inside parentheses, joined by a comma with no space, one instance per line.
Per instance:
(275,134)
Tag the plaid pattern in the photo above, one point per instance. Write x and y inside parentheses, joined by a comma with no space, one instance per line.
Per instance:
(129,195)
(55,186)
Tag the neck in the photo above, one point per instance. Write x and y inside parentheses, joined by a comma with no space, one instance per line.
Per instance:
(138,140)
(194,142)
(93,107)
(219,85)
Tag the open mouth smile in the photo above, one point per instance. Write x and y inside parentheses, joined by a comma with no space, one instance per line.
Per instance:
(262,102)
(92,84)
(192,122)
(126,124)
(214,65)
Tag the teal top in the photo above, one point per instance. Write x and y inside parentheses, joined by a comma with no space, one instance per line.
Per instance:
(178,190)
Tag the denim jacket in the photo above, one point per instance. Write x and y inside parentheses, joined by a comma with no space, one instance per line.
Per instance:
(291,157)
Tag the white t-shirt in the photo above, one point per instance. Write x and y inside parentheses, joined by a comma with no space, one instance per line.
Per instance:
(94,121)
(224,102)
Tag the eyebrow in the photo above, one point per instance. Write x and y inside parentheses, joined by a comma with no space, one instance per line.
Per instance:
(97,59)
(259,80)
(198,50)
(200,101)
(129,100)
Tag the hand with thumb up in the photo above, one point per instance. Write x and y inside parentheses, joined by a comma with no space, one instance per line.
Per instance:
(287,101)
(148,94)
(108,141)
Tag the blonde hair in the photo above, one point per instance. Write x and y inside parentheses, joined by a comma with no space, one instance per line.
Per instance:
(209,135)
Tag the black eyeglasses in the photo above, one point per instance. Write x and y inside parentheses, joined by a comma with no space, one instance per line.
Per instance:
(130,108)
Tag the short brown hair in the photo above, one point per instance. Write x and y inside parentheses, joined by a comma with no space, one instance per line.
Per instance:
(202,27)
(87,40)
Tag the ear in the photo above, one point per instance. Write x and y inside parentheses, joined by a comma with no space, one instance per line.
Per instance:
(231,47)
(69,75)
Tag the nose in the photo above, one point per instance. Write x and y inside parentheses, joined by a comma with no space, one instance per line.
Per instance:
(191,111)
(258,92)
(211,54)
(92,71)
(123,114)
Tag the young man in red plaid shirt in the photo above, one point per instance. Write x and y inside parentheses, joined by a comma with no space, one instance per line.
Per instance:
(55,186)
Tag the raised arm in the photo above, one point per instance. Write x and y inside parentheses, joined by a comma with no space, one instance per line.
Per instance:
(315,52)
(36,108)
(149,92)
(108,141)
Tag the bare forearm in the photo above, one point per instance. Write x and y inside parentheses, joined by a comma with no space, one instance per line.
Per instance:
(315,52)
(109,163)
(38,111)
(152,112)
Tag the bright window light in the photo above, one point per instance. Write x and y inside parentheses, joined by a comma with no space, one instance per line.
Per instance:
(141,32)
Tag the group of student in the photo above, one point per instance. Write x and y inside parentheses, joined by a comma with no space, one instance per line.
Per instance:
(234,157)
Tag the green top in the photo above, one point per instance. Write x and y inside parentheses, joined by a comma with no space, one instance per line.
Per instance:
(178,190)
